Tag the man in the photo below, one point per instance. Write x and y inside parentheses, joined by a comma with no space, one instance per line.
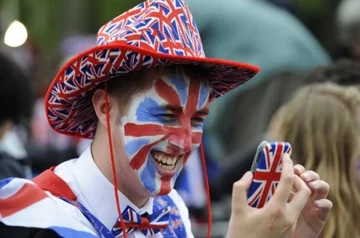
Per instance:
(145,117)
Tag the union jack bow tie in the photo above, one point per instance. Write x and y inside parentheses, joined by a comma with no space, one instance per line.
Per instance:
(148,225)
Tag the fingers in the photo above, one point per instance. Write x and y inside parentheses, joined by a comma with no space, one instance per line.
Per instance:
(299,169)
(239,195)
(301,196)
(320,189)
(283,190)
(309,176)
(324,207)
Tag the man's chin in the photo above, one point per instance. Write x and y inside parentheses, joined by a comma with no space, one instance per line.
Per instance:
(165,188)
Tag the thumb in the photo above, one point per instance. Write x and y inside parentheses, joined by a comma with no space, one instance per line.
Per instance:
(239,196)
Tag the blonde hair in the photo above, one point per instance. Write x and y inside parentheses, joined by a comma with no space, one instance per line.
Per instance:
(322,124)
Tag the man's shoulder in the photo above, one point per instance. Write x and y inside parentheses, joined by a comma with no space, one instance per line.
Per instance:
(25,204)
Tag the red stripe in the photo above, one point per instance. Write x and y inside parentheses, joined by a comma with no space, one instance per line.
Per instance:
(270,177)
(193,99)
(266,176)
(196,137)
(167,92)
(26,196)
(132,129)
(277,158)
(138,160)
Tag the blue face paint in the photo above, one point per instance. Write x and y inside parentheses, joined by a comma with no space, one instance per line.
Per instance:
(150,111)
(181,86)
(133,146)
(156,147)
(204,95)
(148,174)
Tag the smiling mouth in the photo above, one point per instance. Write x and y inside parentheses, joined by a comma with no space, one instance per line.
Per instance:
(165,161)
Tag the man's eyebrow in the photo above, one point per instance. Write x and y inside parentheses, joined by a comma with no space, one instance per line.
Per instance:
(176,108)
(170,107)
(202,112)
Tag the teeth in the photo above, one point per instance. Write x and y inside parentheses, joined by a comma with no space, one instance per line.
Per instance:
(165,161)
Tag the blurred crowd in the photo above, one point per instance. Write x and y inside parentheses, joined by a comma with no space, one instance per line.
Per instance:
(307,94)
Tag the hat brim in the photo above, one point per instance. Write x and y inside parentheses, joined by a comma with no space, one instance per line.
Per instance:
(68,108)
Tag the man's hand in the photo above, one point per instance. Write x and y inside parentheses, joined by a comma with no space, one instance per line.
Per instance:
(279,217)
(314,215)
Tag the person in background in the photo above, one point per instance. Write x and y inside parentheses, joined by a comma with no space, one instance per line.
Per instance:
(322,123)
(344,72)
(262,34)
(348,28)
(16,106)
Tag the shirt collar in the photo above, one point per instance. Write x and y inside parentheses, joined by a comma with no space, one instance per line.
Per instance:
(98,193)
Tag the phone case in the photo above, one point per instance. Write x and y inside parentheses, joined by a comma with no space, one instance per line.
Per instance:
(266,170)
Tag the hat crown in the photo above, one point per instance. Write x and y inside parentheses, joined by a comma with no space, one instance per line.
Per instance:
(162,26)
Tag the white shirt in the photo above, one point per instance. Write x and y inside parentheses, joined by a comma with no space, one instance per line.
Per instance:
(96,193)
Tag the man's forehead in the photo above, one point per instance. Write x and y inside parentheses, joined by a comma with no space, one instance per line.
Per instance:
(178,74)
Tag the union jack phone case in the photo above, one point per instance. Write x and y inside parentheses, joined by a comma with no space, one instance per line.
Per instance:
(266,170)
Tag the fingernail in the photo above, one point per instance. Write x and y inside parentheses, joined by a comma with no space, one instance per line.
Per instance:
(317,203)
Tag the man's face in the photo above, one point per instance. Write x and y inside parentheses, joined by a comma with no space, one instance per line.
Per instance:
(161,128)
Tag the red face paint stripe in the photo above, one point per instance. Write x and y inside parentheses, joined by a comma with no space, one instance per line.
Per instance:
(141,156)
(193,99)
(167,92)
(196,137)
(136,130)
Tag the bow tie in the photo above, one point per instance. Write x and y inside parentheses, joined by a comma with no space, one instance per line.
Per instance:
(148,225)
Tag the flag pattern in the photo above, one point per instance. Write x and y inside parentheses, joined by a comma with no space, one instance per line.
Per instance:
(23,203)
(148,225)
(268,172)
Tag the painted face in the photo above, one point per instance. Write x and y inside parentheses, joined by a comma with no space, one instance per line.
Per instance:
(162,127)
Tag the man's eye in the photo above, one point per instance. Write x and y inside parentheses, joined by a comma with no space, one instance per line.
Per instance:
(166,117)
(196,121)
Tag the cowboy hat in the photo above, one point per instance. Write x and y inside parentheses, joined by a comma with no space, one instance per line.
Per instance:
(153,33)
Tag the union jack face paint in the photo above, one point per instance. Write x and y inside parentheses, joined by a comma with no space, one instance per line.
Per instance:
(163,126)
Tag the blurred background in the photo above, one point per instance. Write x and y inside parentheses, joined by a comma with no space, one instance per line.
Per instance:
(288,39)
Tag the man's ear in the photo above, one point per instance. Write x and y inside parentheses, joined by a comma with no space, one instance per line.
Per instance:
(98,102)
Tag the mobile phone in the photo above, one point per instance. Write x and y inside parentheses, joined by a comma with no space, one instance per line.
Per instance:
(266,168)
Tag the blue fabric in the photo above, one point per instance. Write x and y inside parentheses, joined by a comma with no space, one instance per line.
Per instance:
(70,233)
(176,226)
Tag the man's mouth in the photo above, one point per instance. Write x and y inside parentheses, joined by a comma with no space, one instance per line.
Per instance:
(165,161)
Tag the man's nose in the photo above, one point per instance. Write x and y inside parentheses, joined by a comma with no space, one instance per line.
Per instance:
(181,142)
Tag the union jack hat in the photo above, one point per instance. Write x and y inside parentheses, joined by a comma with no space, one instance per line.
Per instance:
(153,33)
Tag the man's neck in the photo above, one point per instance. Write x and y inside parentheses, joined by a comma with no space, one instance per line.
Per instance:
(101,156)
